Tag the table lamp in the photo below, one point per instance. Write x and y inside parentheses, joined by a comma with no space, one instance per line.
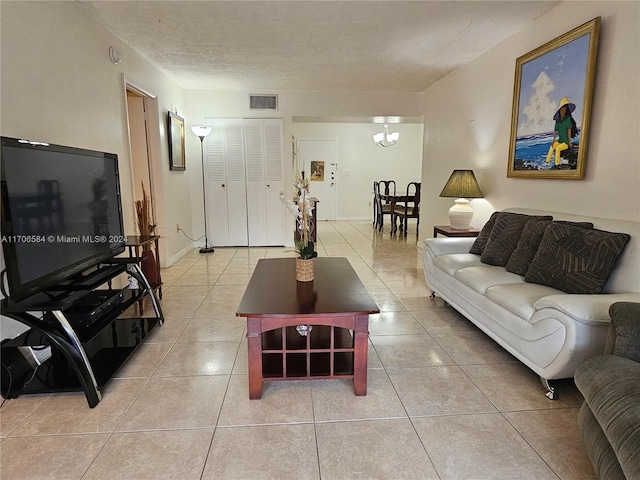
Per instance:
(461,185)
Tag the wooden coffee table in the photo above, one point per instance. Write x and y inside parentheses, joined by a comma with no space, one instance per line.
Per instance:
(334,309)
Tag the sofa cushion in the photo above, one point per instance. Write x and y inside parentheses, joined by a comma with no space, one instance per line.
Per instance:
(481,240)
(453,262)
(575,259)
(602,456)
(528,244)
(505,235)
(521,298)
(605,382)
(485,276)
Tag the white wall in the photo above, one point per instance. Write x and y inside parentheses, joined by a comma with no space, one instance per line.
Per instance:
(468,120)
(58,85)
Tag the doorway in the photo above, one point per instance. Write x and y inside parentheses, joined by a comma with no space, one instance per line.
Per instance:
(138,138)
(319,160)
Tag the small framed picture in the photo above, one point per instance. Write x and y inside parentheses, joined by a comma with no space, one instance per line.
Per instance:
(175,132)
(551,111)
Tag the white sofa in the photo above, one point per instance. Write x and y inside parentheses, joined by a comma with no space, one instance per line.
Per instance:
(550,331)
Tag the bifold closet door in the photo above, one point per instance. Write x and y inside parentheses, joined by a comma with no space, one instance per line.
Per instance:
(264,163)
(226,183)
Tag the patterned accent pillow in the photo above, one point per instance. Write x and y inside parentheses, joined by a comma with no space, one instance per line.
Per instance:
(529,242)
(576,259)
(505,236)
(482,238)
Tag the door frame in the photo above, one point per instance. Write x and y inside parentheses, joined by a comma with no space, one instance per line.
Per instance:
(301,165)
(150,103)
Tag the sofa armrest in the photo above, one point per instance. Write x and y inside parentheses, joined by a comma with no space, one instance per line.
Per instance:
(587,309)
(624,333)
(444,246)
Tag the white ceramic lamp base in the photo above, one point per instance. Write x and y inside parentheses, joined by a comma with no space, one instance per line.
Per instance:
(460,215)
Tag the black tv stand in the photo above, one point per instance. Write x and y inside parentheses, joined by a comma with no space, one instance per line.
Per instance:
(89,329)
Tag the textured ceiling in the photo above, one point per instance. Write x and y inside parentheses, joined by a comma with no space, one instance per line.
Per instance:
(312,45)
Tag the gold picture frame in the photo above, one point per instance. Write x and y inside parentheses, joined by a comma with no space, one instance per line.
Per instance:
(175,132)
(551,112)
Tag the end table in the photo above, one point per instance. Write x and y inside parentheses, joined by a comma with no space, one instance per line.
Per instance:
(447,231)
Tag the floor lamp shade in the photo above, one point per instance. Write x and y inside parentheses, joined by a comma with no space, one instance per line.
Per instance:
(462,184)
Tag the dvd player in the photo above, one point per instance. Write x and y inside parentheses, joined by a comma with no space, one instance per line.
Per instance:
(87,309)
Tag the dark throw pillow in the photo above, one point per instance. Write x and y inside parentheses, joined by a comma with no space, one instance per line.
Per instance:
(529,242)
(482,238)
(505,235)
(575,259)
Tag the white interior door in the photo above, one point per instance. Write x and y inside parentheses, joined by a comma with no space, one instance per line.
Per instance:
(319,159)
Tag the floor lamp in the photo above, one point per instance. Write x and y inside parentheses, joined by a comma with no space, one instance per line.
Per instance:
(201,132)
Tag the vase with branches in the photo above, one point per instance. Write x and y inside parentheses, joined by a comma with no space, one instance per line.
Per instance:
(149,264)
(302,210)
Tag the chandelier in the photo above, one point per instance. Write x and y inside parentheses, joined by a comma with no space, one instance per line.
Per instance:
(386,139)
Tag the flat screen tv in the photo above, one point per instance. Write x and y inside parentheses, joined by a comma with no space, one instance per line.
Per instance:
(61,213)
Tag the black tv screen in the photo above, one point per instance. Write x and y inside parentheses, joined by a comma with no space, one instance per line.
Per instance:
(61,213)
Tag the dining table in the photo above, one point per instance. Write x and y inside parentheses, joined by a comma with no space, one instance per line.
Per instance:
(393,199)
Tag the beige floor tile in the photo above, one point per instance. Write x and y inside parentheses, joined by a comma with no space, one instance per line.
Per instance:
(177,293)
(373,360)
(513,386)
(64,457)
(376,287)
(221,307)
(234,278)
(144,360)
(176,402)
(479,446)
(442,390)
(184,359)
(281,402)
(443,320)
(422,301)
(409,351)
(172,454)
(382,449)
(69,413)
(412,288)
(193,279)
(206,269)
(16,410)
(269,452)
(169,331)
(394,323)
(241,365)
(180,308)
(553,434)
(472,347)
(388,303)
(334,399)
(213,329)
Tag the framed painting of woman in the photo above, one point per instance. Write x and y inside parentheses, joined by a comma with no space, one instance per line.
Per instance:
(551,111)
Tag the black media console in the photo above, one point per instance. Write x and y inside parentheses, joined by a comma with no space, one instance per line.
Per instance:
(89,328)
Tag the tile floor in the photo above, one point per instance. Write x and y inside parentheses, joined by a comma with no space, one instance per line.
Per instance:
(443,401)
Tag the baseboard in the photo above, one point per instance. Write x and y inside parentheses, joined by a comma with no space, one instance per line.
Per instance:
(179,255)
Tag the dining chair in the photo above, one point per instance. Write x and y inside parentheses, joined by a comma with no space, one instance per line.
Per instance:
(385,189)
(410,208)
(375,203)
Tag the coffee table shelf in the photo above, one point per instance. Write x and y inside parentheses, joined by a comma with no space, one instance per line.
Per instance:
(326,352)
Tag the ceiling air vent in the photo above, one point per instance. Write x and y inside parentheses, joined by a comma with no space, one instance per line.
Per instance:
(263,102)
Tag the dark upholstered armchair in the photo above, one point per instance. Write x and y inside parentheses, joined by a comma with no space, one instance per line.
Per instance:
(609,419)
